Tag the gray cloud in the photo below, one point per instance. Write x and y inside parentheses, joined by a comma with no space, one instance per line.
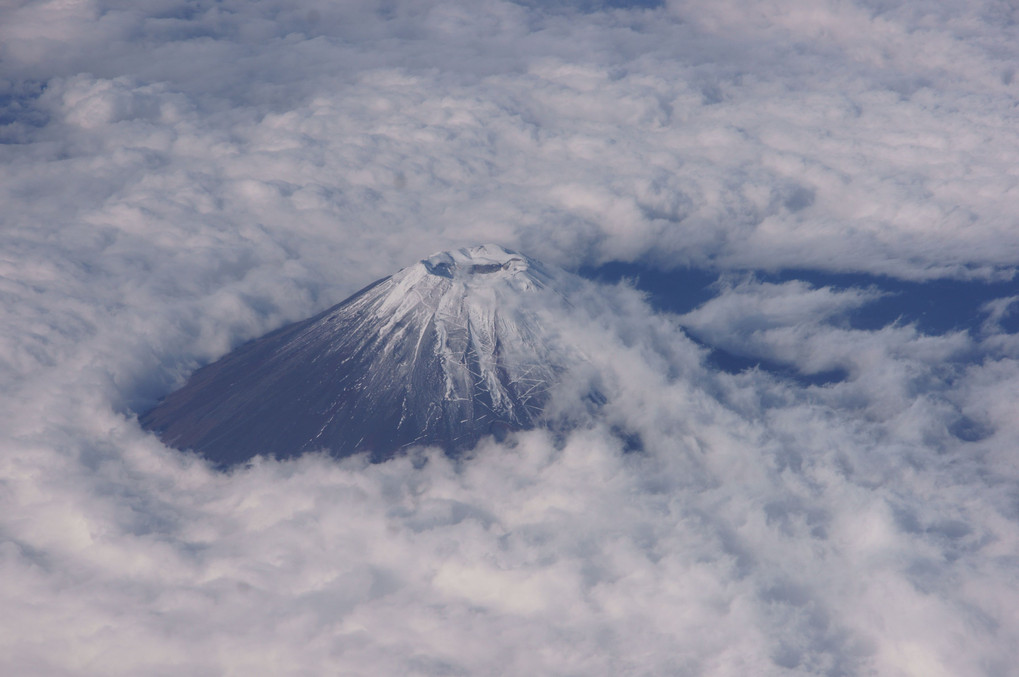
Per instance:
(180,177)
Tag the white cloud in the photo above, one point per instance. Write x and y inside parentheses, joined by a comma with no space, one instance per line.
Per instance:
(180,177)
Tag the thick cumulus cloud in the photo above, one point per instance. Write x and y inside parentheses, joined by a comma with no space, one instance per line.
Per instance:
(177,177)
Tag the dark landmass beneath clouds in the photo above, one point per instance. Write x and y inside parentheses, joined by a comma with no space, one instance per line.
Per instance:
(442,353)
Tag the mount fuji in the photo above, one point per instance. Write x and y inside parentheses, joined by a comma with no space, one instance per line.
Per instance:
(444,352)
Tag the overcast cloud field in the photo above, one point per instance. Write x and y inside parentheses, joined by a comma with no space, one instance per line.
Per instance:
(800,221)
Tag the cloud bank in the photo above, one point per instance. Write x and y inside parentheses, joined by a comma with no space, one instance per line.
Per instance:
(180,177)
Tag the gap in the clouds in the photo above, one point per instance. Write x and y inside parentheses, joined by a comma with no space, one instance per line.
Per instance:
(934,307)
(18,111)
(681,290)
(732,363)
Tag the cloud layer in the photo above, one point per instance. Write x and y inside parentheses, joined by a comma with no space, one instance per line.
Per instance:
(179,178)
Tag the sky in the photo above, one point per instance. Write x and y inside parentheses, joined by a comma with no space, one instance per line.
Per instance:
(800,217)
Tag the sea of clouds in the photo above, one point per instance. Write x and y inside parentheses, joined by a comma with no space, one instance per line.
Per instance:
(180,176)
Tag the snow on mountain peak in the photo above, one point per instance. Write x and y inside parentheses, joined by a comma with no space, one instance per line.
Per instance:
(486,259)
(475,276)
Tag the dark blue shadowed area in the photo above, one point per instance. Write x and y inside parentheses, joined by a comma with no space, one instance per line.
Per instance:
(934,307)
(733,364)
(19,114)
(674,291)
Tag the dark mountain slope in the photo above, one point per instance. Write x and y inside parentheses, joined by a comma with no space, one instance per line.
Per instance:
(445,351)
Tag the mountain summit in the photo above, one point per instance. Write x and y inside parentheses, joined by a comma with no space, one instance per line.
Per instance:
(444,352)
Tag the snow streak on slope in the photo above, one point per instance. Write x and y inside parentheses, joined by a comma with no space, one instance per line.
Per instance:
(443,352)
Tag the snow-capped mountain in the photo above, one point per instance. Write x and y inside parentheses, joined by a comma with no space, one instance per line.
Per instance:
(445,351)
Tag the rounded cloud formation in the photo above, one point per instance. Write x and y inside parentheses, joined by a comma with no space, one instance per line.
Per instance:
(179,177)
(761,526)
(831,135)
